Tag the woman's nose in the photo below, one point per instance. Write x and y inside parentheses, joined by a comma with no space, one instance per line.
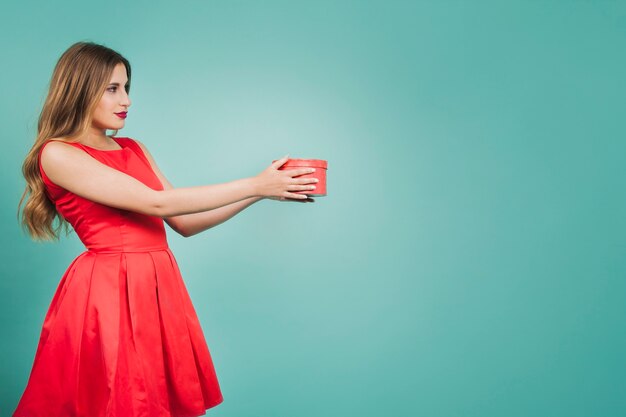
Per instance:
(126,101)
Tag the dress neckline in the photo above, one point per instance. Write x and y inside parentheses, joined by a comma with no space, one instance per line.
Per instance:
(105,150)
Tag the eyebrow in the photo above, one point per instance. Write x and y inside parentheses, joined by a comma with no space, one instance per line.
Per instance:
(116,84)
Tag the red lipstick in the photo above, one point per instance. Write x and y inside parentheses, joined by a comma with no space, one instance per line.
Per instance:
(121,115)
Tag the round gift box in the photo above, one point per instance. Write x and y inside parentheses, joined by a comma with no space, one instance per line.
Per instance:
(320,166)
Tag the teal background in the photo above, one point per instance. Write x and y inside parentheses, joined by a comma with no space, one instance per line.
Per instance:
(469,259)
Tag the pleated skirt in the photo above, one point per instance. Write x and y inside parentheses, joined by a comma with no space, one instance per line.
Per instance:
(121,338)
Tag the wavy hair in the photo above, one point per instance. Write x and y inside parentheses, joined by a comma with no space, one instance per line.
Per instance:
(78,82)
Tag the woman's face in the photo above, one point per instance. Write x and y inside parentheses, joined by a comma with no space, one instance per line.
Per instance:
(114,100)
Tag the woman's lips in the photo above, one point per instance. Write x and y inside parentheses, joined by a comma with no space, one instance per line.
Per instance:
(121,115)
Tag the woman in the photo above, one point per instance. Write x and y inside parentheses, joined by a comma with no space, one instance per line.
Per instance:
(121,336)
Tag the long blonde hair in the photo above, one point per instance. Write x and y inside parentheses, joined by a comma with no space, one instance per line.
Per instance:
(78,81)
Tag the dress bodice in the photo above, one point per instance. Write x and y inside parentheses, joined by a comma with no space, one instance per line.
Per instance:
(103,228)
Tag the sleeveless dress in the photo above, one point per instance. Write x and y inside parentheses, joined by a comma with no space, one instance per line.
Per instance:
(121,337)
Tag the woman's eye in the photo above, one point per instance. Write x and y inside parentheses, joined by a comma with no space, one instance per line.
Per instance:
(111,89)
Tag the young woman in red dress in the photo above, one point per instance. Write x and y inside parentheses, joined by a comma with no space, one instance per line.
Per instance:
(121,337)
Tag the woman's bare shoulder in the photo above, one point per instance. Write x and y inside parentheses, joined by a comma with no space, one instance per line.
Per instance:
(55,143)
(64,140)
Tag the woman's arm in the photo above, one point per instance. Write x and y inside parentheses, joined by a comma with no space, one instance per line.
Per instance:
(190,224)
(81,174)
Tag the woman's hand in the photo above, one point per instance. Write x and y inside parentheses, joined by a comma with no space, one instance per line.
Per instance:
(278,184)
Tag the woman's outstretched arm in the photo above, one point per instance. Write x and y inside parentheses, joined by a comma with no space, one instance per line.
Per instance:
(191,224)
(81,174)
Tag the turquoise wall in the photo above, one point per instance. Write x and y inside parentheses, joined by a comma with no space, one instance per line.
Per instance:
(469,259)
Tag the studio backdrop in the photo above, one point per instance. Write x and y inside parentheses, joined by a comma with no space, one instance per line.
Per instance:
(469,258)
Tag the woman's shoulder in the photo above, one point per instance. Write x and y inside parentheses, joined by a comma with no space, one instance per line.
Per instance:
(58,142)
(123,141)
(60,139)
(57,145)
(77,142)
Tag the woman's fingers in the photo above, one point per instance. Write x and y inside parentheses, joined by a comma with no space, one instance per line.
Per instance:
(290,182)
(280,162)
(308,180)
(296,187)
(296,196)
(299,171)
(300,200)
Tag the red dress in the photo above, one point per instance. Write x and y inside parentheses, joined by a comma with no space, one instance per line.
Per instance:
(121,337)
